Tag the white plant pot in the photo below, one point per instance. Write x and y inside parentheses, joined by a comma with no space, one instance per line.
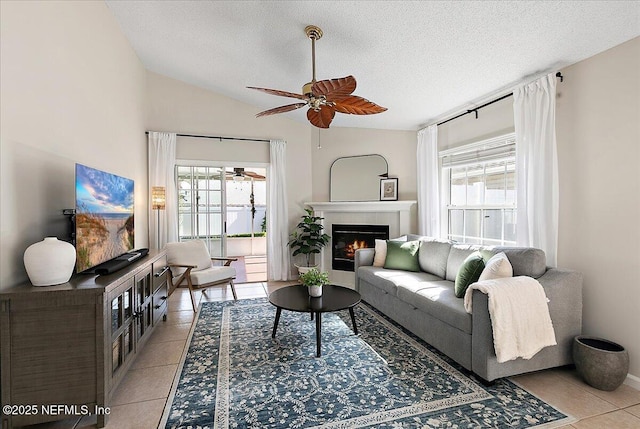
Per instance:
(304,270)
(315,290)
(49,262)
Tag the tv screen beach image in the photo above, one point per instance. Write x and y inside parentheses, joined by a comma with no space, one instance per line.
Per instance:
(104,216)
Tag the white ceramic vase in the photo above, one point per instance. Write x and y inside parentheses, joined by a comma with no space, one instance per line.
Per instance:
(315,290)
(49,262)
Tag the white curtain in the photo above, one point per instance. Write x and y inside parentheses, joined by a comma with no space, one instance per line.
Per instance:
(163,224)
(428,182)
(534,109)
(278,263)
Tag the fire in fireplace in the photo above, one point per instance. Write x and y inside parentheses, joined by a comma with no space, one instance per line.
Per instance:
(346,239)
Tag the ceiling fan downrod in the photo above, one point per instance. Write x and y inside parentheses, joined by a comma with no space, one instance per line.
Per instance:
(314,33)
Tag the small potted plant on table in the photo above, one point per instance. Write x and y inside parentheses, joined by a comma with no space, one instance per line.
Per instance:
(314,280)
(308,238)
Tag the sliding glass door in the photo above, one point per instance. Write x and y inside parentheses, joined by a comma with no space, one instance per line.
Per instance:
(226,208)
(201,202)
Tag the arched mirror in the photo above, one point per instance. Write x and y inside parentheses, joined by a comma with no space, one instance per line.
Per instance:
(357,178)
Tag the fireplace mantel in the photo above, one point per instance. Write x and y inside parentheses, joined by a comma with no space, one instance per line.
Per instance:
(361,206)
(395,214)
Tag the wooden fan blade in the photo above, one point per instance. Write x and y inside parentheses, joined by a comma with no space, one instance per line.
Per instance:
(323,118)
(254,175)
(281,109)
(280,93)
(334,89)
(355,105)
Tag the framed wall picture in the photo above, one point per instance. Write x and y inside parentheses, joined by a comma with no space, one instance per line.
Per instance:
(389,189)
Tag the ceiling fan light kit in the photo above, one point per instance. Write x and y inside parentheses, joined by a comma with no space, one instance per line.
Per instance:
(324,98)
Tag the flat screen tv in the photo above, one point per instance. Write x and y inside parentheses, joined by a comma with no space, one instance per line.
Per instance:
(104,217)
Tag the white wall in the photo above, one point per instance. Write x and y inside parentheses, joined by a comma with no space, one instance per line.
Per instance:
(72,91)
(598,132)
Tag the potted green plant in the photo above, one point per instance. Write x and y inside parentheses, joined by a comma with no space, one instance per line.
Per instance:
(308,238)
(314,280)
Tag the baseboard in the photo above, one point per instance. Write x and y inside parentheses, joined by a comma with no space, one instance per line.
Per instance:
(632,381)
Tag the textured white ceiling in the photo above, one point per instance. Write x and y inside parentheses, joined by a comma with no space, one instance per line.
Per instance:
(421,60)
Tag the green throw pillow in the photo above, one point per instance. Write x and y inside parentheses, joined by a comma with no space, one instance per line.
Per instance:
(402,255)
(468,273)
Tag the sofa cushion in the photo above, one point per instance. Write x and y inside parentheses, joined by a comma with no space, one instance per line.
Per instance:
(497,267)
(413,237)
(433,255)
(440,301)
(388,280)
(402,255)
(526,261)
(407,288)
(468,273)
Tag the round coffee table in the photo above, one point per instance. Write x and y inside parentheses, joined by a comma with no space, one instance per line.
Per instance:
(296,298)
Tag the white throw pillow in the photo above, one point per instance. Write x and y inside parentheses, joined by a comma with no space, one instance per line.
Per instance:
(380,254)
(497,267)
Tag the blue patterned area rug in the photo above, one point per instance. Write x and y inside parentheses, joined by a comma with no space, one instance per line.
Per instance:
(234,375)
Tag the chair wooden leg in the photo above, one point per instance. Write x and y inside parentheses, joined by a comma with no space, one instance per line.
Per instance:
(193,300)
(172,287)
(192,293)
(233,290)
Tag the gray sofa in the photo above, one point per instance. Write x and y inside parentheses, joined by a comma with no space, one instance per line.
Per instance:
(424,303)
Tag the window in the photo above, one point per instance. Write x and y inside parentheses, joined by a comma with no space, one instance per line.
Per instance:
(480,192)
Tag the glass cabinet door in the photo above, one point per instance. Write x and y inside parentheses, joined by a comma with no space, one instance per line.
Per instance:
(122,338)
(116,355)
(128,303)
(116,314)
(144,295)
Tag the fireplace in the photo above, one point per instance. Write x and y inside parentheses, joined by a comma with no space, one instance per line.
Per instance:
(346,239)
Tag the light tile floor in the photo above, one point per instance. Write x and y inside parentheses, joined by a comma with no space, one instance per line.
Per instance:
(139,401)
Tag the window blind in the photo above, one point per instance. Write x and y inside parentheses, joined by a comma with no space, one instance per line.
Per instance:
(491,150)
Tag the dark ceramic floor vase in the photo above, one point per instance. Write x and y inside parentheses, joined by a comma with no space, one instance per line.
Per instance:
(603,364)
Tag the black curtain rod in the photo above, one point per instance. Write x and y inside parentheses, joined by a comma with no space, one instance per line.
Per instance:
(219,138)
(558,75)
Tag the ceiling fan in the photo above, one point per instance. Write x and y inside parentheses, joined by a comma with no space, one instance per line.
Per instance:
(239,174)
(325,97)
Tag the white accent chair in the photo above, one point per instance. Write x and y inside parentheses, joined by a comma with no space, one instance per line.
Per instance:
(190,261)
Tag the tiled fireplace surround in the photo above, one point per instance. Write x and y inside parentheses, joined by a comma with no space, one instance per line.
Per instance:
(396,214)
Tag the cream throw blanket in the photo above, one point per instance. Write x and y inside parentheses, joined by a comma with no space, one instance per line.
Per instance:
(519,316)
